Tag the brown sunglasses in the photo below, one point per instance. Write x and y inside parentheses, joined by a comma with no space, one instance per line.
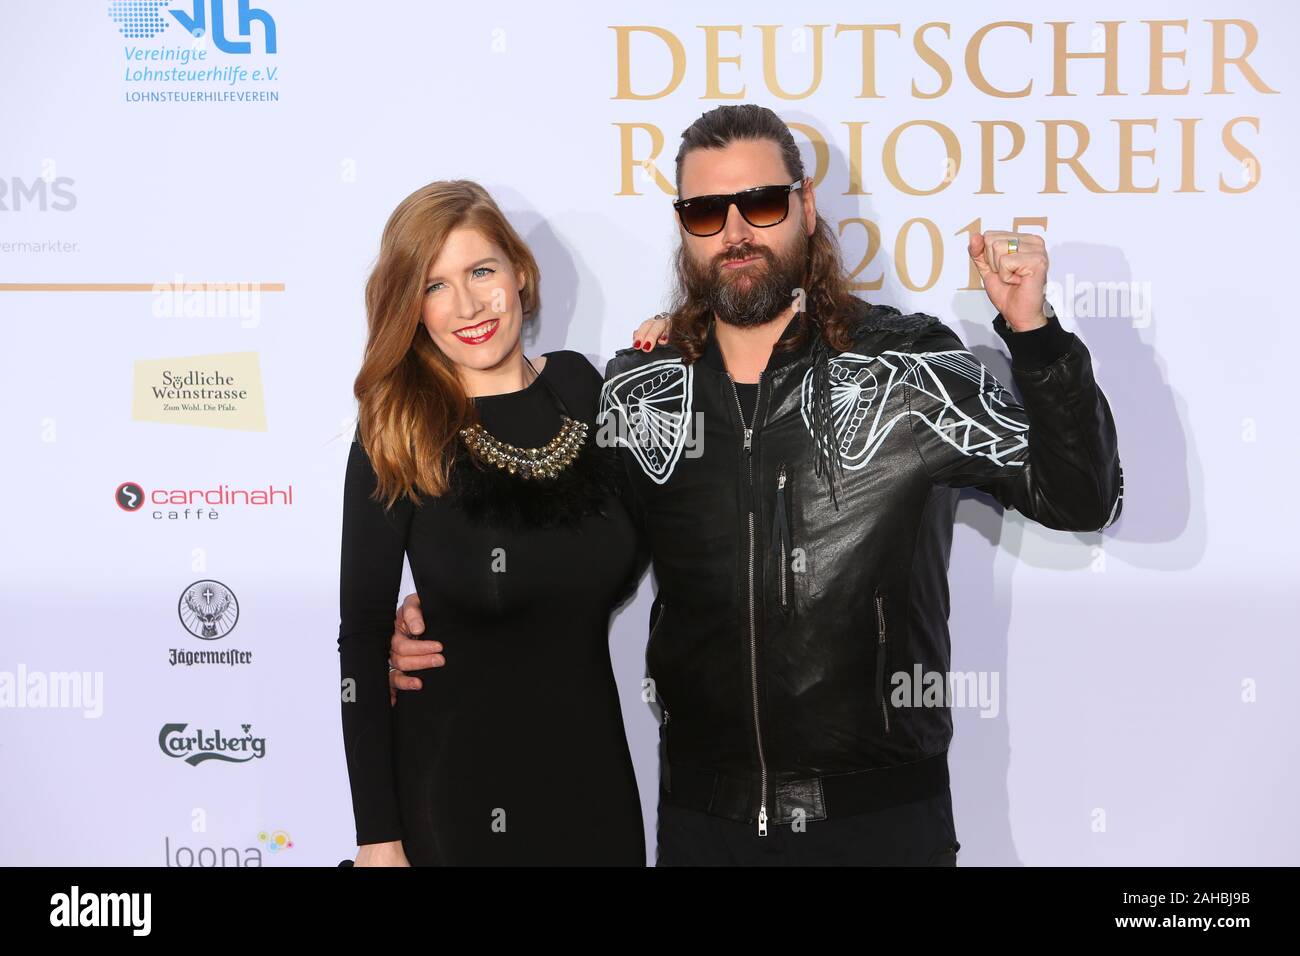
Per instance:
(761,206)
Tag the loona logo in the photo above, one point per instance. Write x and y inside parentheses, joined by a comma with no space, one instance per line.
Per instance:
(143,19)
(208,610)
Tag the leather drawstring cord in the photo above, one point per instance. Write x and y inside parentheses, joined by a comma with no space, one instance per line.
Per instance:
(823,425)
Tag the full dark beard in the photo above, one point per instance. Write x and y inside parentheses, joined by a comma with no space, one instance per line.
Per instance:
(755,297)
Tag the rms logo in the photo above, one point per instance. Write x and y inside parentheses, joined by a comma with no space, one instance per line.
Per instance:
(142,19)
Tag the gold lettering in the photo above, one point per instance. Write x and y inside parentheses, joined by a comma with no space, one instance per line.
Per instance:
(933,59)
(868,51)
(821,149)
(856,187)
(973,281)
(873,246)
(936,255)
(623,62)
(769,62)
(629,165)
(713,59)
(1127,153)
(1187,130)
(987,145)
(1249,162)
(1052,158)
(1061,57)
(976,73)
(1157,55)
(1220,59)
(890,155)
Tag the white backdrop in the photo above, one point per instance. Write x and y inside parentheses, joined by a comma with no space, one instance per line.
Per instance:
(1142,712)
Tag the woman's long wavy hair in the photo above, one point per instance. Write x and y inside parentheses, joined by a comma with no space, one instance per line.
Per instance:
(829,300)
(411,402)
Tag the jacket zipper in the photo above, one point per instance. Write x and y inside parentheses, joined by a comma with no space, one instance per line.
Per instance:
(753,641)
(880,658)
(663,706)
(782,529)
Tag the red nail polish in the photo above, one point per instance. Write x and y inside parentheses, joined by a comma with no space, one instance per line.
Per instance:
(647,346)
(636,343)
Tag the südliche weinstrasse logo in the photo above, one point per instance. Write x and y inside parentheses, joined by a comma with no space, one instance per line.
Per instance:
(210,391)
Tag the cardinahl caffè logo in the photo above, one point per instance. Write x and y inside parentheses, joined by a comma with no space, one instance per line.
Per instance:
(186,503)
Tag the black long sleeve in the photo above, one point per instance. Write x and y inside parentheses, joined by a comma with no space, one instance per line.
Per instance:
(1055,458)
(616,464)
(370,576)
(516,580)
(636,511)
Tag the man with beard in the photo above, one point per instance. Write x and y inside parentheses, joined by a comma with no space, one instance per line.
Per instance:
(801,556)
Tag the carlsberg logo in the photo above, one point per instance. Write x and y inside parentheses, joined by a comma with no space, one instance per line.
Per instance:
(197,746)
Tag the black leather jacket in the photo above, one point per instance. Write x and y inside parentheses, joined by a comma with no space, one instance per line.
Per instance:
(784,605)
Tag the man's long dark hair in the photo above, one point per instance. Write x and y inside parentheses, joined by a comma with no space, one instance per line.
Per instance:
(828,301)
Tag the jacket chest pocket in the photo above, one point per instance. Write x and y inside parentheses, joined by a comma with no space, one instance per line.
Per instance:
(882,660)
(790,547)
(658,693)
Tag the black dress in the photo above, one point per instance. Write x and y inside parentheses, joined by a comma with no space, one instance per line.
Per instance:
(514,752)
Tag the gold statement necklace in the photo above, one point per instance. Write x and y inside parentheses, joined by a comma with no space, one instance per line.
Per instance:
(529,463)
